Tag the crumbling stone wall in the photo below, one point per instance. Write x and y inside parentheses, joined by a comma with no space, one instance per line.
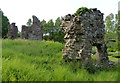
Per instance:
(25,32)
(83,32)
(33,32)
(12,31)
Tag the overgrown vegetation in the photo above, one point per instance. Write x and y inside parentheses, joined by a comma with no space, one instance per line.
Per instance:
(82,10)
(30,60)
(52,30)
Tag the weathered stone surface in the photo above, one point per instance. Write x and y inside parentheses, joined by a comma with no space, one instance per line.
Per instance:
(33,32)
(83,32)
(25,32)
(12,31)
(35,20)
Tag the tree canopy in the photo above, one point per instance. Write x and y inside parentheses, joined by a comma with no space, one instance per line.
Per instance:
(29,23)
(52,30)
(5,22)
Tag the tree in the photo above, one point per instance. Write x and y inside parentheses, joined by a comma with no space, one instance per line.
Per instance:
(53,30)
(118,26)
(59,33)
(58,22)
(116,22)
(118,30)
(109,22)
(0,24)
(45,27)
(5,22)
(50,24)
(29,23)
(112,31)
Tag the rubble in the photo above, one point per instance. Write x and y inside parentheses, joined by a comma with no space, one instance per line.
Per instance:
(12,31)
(82,32)
(33,32)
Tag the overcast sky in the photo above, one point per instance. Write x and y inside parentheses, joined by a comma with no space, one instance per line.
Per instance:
(20,11)
(119,5)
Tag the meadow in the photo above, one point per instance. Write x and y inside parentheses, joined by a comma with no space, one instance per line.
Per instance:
(31,60)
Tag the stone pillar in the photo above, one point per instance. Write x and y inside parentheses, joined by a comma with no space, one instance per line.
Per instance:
(25,32)
(33,32)
(36,29)
(83,32)
(12,31)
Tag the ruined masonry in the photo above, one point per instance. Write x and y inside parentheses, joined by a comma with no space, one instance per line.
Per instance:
(12,31)
(33,32)
(83,32)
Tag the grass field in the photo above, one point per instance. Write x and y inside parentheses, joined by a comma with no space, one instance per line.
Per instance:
(30,60)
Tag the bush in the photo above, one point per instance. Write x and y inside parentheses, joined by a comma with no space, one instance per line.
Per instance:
(82,10)
(55,36)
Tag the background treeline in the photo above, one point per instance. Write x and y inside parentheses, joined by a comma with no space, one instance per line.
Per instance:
(51,29)
(112,32)
(53,32)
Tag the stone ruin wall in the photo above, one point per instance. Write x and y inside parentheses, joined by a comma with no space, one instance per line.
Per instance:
(33,32)
(12,31)
(83,32)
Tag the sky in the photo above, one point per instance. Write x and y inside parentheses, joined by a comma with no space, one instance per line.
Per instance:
(19,11)
(119,5)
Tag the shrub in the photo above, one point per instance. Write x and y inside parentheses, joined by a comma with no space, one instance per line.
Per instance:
(82,10)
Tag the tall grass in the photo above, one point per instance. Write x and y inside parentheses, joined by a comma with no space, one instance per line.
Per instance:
(30,60)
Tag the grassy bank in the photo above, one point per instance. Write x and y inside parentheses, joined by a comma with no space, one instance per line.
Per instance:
(27,60)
